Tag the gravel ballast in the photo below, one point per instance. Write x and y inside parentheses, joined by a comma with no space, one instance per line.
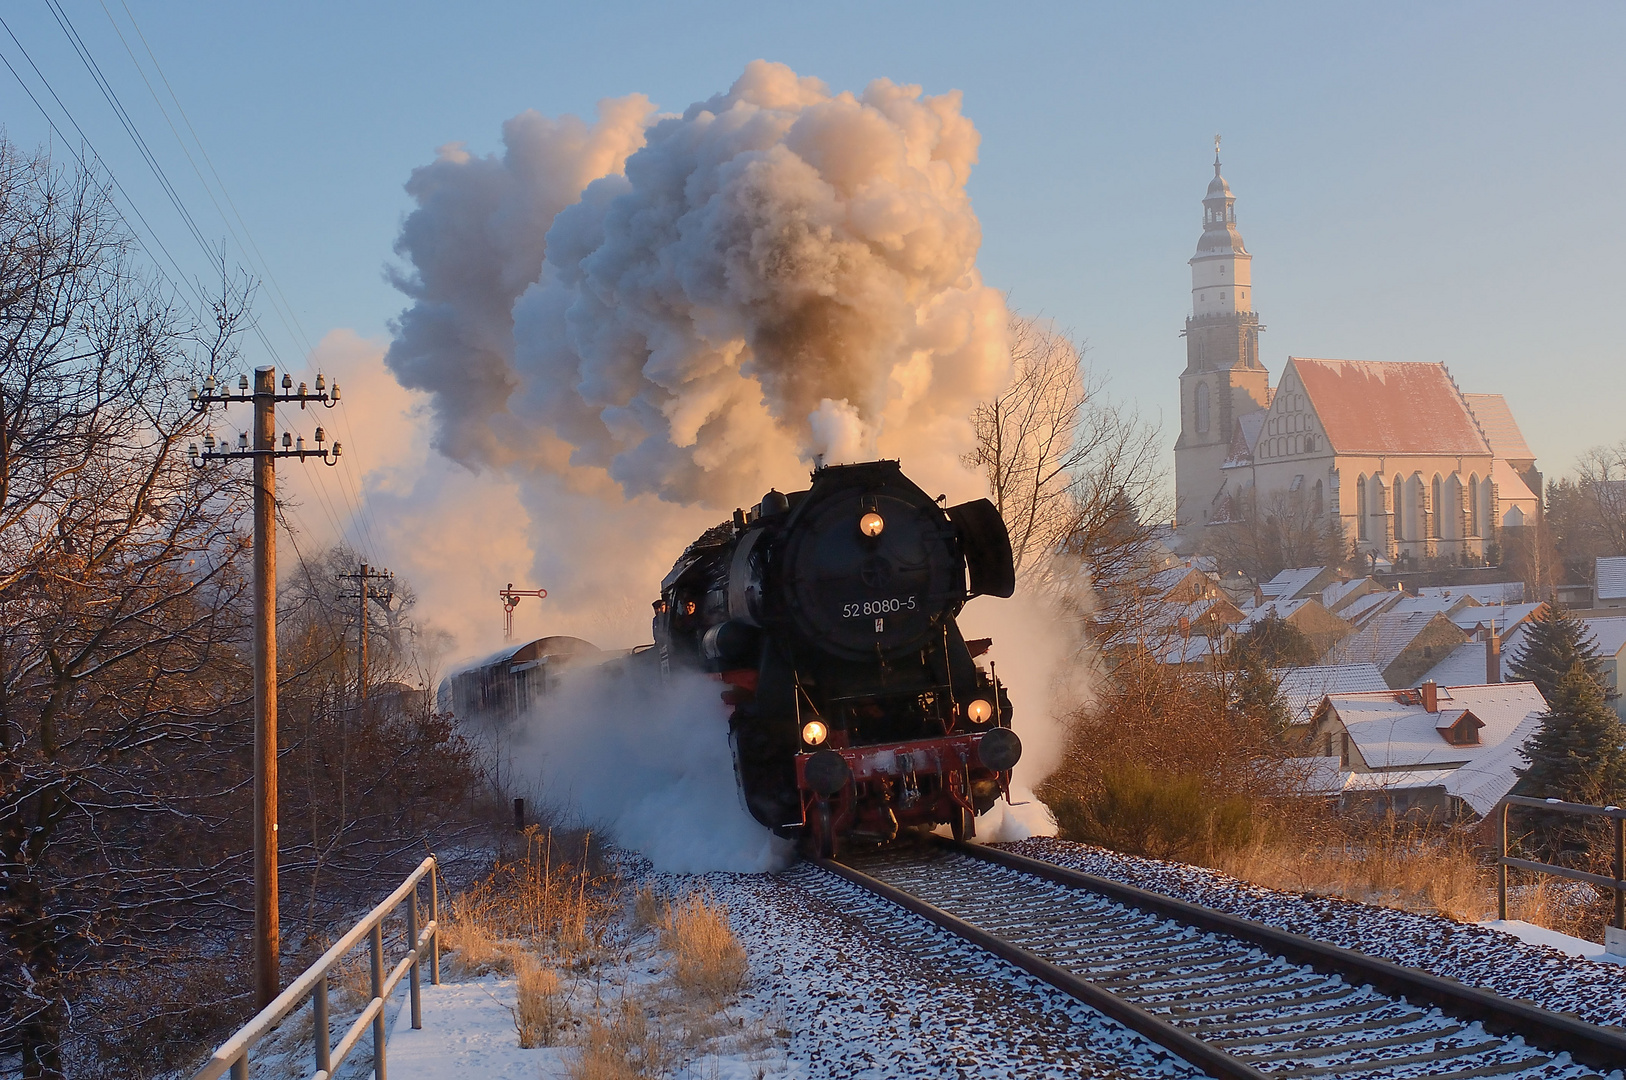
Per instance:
(1596,992)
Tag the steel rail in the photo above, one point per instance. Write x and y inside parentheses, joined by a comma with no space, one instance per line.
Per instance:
(1592,1044)
(1204,1056)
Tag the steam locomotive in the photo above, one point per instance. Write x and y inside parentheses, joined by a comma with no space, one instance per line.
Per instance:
(830,614)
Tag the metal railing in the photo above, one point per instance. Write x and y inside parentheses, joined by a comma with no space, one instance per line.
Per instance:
(233,1053)
(1616,883)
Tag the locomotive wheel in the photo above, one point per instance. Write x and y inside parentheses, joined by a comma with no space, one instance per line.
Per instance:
(963,824)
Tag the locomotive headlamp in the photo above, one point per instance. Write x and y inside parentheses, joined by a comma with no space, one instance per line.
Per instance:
(814,732)
(871,524)
(979,711)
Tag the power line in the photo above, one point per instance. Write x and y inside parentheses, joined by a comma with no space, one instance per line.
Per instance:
(357,510)
(349,476)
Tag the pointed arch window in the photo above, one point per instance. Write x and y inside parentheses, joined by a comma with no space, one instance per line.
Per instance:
(1436,504)
(1473,505)
(1400,499)
(1360,507)
(1201,395)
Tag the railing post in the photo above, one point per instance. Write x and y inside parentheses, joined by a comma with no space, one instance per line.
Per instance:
(239,1068)
(1620,876)
(412,940)
(434,917)
(1501,865)
(379,1070)
(323,1036)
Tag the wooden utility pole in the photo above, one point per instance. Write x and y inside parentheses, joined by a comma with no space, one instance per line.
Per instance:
(361,578)
(264,453)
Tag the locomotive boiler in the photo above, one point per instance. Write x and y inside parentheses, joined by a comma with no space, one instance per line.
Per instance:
(830,614)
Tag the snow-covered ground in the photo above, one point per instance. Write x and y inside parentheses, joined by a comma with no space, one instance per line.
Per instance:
(1509,964)
(845,985)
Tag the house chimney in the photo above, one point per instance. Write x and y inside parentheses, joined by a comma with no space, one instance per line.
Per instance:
(1431,696)
(1493,655)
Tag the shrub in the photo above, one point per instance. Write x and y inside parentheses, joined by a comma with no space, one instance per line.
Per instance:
(1143,812)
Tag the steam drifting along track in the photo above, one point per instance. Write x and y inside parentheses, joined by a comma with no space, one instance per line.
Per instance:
(1235,998)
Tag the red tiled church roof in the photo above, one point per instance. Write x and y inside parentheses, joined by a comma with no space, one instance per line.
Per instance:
(1496,420)
(1387,407)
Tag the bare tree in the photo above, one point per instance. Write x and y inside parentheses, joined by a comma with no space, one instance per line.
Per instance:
(1272,533)
(1072,472)
(1602,474)
(121,683)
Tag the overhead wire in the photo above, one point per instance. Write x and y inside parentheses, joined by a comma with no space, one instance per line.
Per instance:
(356,511)
(348,473)
(153,239)
(117,105)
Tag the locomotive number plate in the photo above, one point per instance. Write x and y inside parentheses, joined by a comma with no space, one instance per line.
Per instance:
(872,608)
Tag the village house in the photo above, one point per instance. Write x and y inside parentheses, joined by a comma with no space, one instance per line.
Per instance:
(1441,750)
(1609,583)
(1402,645)
(1609,632)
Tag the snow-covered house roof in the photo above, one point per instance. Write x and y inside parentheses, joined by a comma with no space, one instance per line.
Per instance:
(1501,430)
(1302,688)
(1338,592)
(1495,592)
(1360,610)
(1445,605)
(1388,407)
(1466,663)
(1503,616)
(1610,634)
(1610,578)
(1388,635)
(1394,732)
(1294,584)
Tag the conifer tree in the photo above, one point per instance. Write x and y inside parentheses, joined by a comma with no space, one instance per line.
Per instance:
(1577,753)
(1555,643)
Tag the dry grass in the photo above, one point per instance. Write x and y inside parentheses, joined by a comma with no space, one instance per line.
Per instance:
(1409,864)
(707,959)
(1388,862)
(540,1009)
(647,909)
(550,899)
(626,1046)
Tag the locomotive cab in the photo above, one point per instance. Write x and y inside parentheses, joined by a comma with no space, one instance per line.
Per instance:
(830,614)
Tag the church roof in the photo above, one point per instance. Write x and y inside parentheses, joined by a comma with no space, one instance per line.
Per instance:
(1496,421)
(1510,486)
(1389,407)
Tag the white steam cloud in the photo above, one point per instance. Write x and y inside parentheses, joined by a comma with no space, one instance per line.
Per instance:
(779,274)
(653,768)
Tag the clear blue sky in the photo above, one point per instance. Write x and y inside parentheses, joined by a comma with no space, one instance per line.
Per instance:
(1416,182)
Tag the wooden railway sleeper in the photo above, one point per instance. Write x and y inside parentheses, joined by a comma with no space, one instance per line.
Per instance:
(1334,1049)
(1335,994)
(1322,1032)
(1380,1064)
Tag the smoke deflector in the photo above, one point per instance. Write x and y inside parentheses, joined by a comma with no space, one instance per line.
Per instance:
(987,547)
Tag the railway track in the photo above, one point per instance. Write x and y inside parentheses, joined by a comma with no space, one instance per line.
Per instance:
(1235,998)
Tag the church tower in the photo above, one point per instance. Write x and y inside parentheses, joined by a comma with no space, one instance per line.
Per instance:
(1223,380)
